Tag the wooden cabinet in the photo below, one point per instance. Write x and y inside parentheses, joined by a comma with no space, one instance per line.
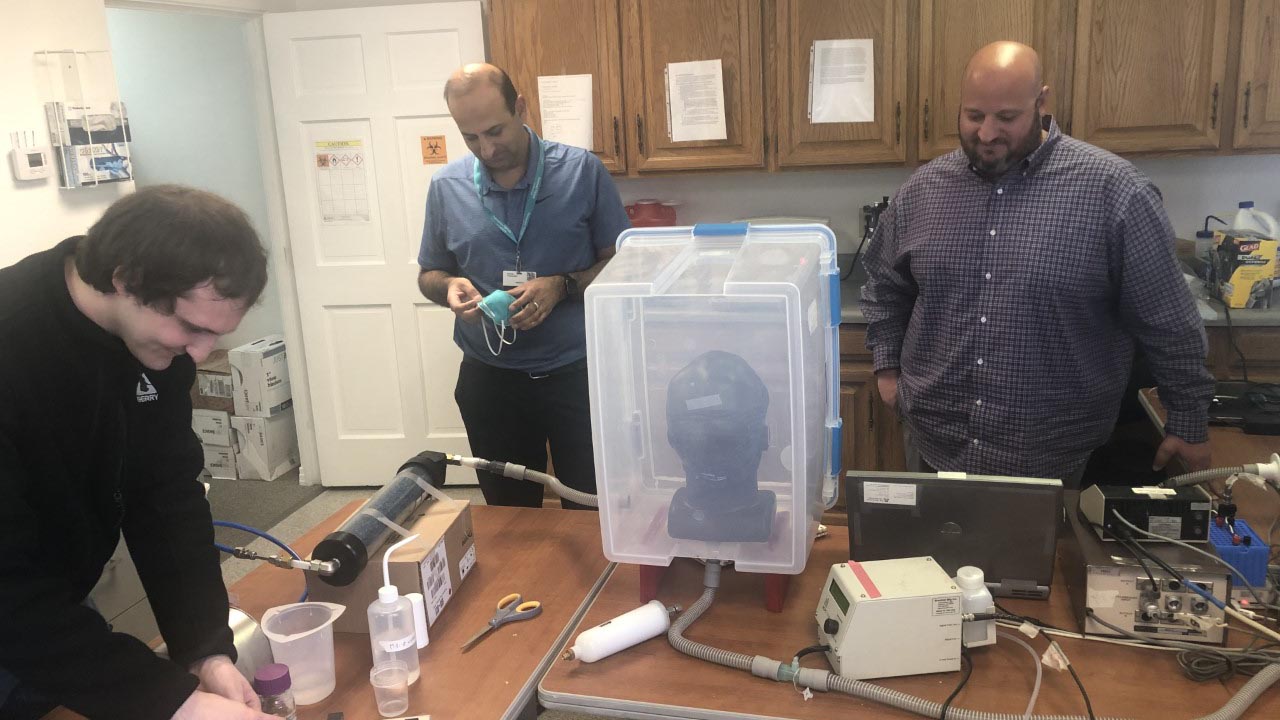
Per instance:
(658,32)
(951,31)
(1150,74)
(872,435)
(797,24)
(1257,123)
(531,38)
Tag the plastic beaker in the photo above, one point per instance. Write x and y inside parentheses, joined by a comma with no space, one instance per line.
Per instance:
(390,681)
(301,636)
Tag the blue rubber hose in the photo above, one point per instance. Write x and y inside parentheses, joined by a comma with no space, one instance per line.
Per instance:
(262,534)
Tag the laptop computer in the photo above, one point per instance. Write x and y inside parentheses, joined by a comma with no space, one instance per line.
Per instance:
(1006,526)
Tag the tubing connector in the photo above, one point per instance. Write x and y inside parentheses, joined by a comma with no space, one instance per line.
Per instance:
(323,567)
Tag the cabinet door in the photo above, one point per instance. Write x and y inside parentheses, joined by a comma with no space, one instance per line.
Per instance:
(800,23)
(530,38)
(887,433)
(857,446)
(1258,110)
(951,31)
(659,32)
(1149,73)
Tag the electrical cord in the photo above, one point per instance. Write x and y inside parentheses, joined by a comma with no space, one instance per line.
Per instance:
(1265,657)
(1127,542)
(1088,706)
(964,680)
(812,649)
(1196,550)
(1188,584)
(1025,618)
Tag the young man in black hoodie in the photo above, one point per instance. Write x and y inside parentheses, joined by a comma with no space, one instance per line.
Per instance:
(100,338)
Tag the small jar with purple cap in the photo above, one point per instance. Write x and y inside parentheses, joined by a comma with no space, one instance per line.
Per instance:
(272,684)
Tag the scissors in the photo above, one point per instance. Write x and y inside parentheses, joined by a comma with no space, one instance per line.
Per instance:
(510,609)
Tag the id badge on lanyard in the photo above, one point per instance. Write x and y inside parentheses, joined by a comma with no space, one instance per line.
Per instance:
(511,278)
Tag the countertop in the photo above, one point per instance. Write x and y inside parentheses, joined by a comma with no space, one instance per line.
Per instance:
(1211,313)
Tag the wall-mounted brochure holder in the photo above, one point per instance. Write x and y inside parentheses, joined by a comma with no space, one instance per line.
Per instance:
(88,124)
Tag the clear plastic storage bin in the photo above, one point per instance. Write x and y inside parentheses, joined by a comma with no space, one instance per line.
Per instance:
(713,361)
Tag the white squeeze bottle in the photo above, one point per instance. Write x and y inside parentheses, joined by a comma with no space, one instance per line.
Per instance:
(391,631)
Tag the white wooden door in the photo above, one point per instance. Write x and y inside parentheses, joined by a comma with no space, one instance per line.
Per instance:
(361,126)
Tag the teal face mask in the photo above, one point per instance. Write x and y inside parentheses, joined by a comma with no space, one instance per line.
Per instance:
(497,307)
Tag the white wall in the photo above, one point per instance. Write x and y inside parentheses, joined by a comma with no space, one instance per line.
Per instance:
(188,83)
(37,215)
(1192,188)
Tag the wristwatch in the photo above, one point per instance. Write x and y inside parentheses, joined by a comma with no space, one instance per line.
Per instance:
(570,284)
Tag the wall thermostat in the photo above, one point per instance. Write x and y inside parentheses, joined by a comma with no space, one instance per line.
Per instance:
(31,163)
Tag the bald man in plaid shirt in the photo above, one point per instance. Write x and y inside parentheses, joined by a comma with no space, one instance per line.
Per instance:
(1010,283)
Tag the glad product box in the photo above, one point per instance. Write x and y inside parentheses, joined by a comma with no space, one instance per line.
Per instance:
(1244,265)
(260,378)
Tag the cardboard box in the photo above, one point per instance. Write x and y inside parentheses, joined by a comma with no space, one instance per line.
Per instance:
(212,388)
(220,462)
(1244,267)
(260,377)
(265,448)
(213,427)
(435,565)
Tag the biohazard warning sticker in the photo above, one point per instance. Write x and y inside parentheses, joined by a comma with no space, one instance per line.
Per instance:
(434,150)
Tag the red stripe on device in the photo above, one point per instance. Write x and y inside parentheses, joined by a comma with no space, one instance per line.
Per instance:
(861,573)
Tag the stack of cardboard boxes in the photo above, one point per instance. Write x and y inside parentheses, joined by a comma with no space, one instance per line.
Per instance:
(243,412)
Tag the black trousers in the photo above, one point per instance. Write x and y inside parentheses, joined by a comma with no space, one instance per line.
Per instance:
(511,416)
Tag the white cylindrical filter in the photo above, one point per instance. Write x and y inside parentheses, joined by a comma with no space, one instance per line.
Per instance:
(419,618)
(975,598)
(392,634)
(631,628)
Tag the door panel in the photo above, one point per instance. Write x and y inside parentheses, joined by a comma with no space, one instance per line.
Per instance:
(358,99)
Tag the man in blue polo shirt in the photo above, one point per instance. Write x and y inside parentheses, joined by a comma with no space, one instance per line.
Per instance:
(538,220)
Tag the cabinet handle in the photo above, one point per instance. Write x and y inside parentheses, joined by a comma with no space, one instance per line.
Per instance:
(871,414)
(640,132)
(897,124)
(617,147)
(926,119)
(1213,112)
(1248,90)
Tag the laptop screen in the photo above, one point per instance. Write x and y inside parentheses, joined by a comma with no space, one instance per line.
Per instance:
(1005,526)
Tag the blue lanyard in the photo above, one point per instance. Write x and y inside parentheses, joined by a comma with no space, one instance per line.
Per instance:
(478,179)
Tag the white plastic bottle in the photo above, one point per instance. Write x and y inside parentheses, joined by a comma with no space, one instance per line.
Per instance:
(392,634)
(975,598)
(1250,218)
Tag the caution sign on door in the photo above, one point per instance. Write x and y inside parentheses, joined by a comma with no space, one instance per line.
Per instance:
(434,150)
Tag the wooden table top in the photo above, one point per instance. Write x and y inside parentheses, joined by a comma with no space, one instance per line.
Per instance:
(549,555)
(654,680)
